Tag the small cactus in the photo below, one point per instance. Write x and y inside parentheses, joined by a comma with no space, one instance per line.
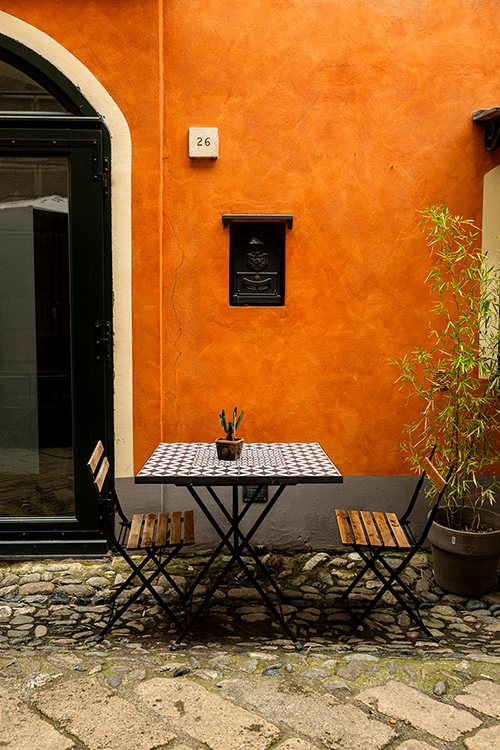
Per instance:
(231,427)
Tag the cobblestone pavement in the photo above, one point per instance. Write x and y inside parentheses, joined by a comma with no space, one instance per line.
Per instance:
(238,682)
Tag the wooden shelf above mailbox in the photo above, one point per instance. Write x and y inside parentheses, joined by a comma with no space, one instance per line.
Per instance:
(492,133)
(227,218)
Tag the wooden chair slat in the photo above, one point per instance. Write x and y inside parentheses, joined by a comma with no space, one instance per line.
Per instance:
(370,529)
(101,475)
(345,531)
(95,458)
(398,532)
(148,532)
(385,533)
(357,528)
(188,527)
(434,474)
(135,531)
(175,527)
(161,530)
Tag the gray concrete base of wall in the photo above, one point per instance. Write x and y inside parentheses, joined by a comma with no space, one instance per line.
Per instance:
(302,519)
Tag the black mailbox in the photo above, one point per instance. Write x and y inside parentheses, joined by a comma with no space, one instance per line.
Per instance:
(257,263)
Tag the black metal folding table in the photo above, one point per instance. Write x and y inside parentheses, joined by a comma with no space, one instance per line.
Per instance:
(195,465)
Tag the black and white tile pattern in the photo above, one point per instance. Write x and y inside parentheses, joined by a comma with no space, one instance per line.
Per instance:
(197,463)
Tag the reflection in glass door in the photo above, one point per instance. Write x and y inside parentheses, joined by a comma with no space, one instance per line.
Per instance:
(36,444)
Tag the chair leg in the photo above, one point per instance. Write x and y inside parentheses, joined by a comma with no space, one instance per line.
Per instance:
(411,613)
(352,585)
(147,583)
(126,583)
(388,586)
(394,578)
(161,570)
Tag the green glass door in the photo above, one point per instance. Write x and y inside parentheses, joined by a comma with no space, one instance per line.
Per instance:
(55,331)
(36,441)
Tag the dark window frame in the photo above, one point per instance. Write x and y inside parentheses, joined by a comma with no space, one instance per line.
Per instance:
(81,134)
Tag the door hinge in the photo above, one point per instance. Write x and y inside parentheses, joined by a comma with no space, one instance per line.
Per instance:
(102,344)
(104,175)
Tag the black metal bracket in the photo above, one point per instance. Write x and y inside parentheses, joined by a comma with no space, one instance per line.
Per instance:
(103,344)
(100,176)
(288,218)
(492,133)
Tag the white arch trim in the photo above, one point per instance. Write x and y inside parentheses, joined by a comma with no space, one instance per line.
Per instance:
(121,201)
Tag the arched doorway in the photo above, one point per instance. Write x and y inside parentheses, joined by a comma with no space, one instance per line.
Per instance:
(55,307)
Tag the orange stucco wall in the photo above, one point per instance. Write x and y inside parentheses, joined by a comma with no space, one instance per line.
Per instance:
(351,116)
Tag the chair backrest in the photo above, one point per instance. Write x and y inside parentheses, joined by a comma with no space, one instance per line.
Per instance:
(441,485)
(434,475)
(416,492)
(99,468)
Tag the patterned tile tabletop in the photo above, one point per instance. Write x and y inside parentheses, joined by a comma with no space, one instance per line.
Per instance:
(271,463)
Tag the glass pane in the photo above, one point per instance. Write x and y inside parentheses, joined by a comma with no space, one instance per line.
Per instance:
(20,93)
(36,451)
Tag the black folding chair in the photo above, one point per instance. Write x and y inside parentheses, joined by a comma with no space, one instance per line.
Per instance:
(372,533)
(151,535)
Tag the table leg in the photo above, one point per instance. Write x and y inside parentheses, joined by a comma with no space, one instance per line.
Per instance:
(239,543)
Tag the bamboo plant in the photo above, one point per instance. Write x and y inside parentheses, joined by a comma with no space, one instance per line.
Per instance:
(455,376)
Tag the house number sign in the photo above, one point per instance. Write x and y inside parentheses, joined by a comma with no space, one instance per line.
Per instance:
(203,143)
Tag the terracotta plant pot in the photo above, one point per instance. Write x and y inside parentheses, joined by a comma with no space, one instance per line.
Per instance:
(465,562)
(229,450)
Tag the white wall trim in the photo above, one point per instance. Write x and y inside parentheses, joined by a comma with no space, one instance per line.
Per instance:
(491,215)
(491,232)
(121,202)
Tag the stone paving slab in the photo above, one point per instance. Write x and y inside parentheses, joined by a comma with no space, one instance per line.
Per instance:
(402,702)
(100,719)
(206,716)
(485,739)
(483,696)
(297,695)
(295,744)
(320,716)
(22,729)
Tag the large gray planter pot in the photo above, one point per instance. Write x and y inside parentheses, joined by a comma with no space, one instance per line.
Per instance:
(465,562)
